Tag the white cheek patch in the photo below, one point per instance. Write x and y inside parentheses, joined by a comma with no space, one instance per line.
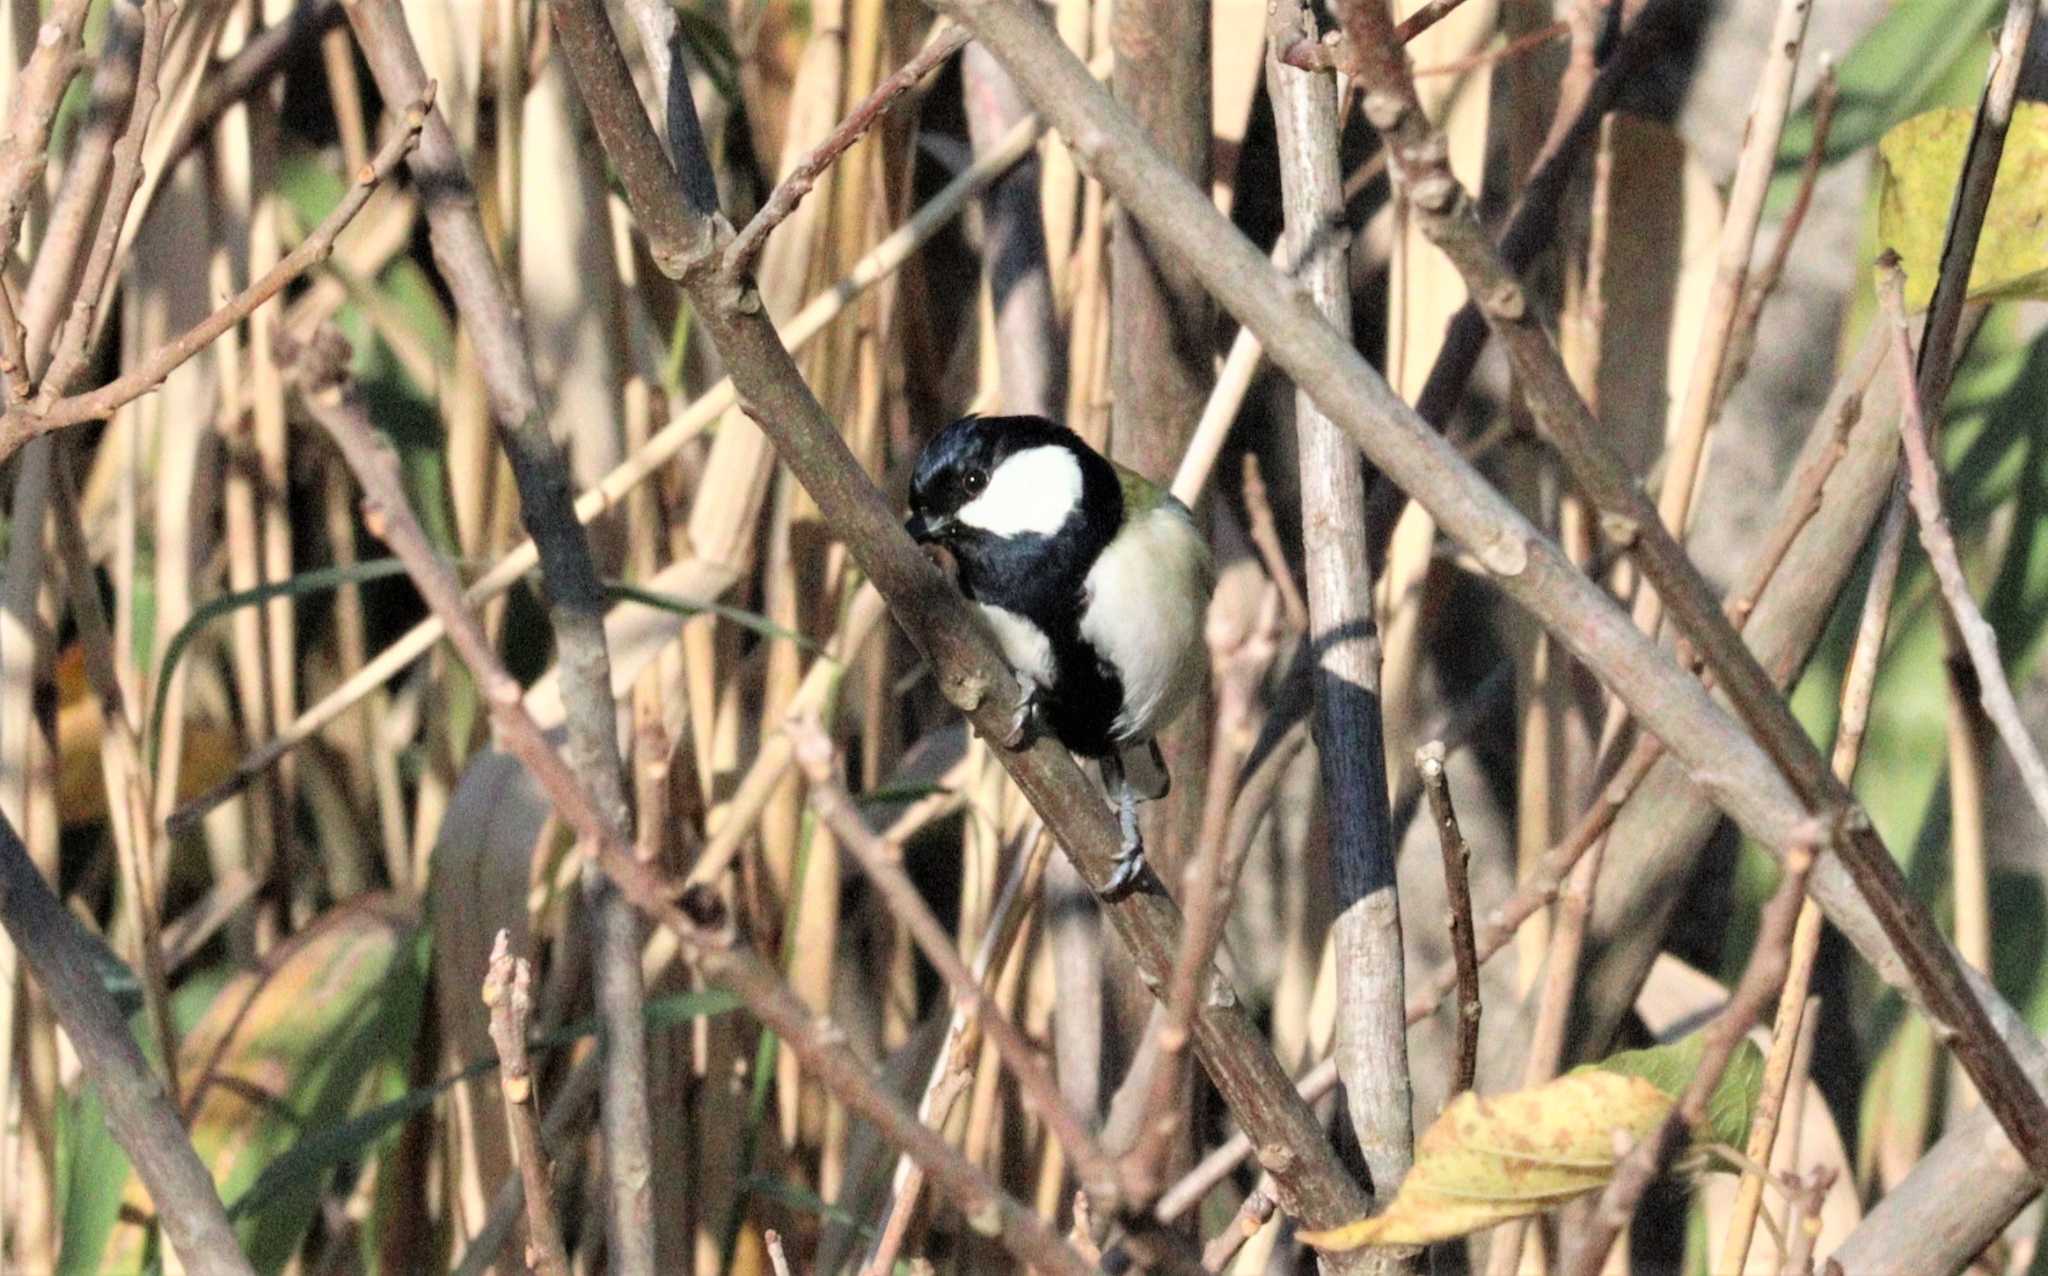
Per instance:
(1031,493)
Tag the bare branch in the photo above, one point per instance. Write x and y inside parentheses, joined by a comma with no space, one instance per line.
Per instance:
(1923,488)
(706,932)
(139,1113)
(1886,922)
(508,993)
(943,43)
(1429,760)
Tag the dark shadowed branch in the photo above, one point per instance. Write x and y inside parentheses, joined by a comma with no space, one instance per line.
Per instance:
(706,930)
(1873,908)
(970,672)
(68,968)
(574,595)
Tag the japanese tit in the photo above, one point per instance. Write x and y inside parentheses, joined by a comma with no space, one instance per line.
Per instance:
(1095,582)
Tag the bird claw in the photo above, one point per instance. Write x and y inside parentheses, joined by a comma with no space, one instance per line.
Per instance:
(1129,864)
(1027,723)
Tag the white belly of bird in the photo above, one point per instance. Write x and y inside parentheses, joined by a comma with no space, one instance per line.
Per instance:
(1024,644)
(1141,616)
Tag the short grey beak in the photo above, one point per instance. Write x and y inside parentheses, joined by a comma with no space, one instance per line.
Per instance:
(924,530)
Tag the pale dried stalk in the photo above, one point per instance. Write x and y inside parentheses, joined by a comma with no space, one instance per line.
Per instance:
(882,862)
(1858,685)
(1738,241)
(646,462)
(508,992)
(1924,493)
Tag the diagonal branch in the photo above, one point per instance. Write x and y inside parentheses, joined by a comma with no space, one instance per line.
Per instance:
(706,929)
(971,673)
(139,1112)
(1923,489)
(1889,926)
(1441,206)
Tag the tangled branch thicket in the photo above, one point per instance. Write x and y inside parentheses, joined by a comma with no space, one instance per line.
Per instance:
(669,917)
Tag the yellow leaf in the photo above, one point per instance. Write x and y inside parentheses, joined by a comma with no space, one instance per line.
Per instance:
(1922,159)
(1487,1160)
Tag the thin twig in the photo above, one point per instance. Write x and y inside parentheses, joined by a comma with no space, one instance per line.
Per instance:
(1238,674)
(1429,761)
(18,427)
(883,865)
(1586,1250)
(948,39)
(1256,1211)
(1858,685)
(608,492)
(1923,490)
(508,993)
(1803,1220)
(138,1112)
(777,1260)
(1827,95)
(706,932)
(1265,534)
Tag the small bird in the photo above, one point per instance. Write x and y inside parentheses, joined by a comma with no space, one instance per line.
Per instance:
(1095,582)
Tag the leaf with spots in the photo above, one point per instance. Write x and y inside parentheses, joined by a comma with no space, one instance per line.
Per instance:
(1508,1156)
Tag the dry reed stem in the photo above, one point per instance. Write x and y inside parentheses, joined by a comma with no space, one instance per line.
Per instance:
(706,932)
(1859,683)
(1753,169)
(1923,489)
(645,463)
(882,863)
(1827,95)
(507,991)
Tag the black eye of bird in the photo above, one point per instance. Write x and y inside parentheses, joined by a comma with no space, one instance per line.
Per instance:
(975,481)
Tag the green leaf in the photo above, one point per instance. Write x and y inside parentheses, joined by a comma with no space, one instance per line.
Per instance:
(1670,1067)
(91,1173)
(322,1149)
(1923,160)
